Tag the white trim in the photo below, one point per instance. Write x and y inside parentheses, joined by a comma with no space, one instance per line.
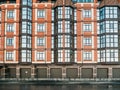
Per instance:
(6,14)
(45,47)
(92,12)
(46,27)
(15,14)
(36,27)
(92,27)
(93,56)
(92,42)
(5,28)
(36,14)
(14,44)
(35,55)
(14,55)
(5,42)
(46,12)
(35,42)
(5,56)
(15,29)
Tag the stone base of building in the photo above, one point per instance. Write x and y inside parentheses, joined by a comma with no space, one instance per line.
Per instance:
(60,71)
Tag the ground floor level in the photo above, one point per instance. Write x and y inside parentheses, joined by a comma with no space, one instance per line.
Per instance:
(60,71)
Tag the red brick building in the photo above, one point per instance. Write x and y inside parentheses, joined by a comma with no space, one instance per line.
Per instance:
(51,38)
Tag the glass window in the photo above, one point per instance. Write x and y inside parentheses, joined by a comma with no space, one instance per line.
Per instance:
(111,12)
(26,42)
(87,55)
(9,41)
(10,14)
(67,27)
(53,42)
(75,14)
(60,55)
(52,56)
(40,41)
(52,14)
(67,55)
(26,56)
(9,56)
(60,12)
(41,13)
(60,41)
(75,28)
(87,41)
(75,55)
(87,13)
(60,27)
(40,56)
(111,40)
(111,55)
(67,40)
(83,1)
(87,27)
(52,28)
(75,42)
(68,12)
(41,27)
(10,28)
(26,27)
(26,13)
(27,2)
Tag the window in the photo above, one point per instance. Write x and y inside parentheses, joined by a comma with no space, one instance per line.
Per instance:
(26,13)
(111,26)
(87,55)
(83,1)
(40,56)
(75,55)
(10,14)
(9,56)
(75,42)
(75,28)
(27,2)
(87,27)
(53,42)
(26,55)
(60,26)
(26,42)
(111,12)
(111,40)
(87,13)
(52,28)
(60,55)
(75,14)
(60,12)
(40,41)
(111,55)
(52,14)
(67,40)
(60,41)
(52,56)
(10,28)
(26,27)
(87,41)
(41,27)
(41,14)
(67,56)
(9,41)
(67,26)
(68,12)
